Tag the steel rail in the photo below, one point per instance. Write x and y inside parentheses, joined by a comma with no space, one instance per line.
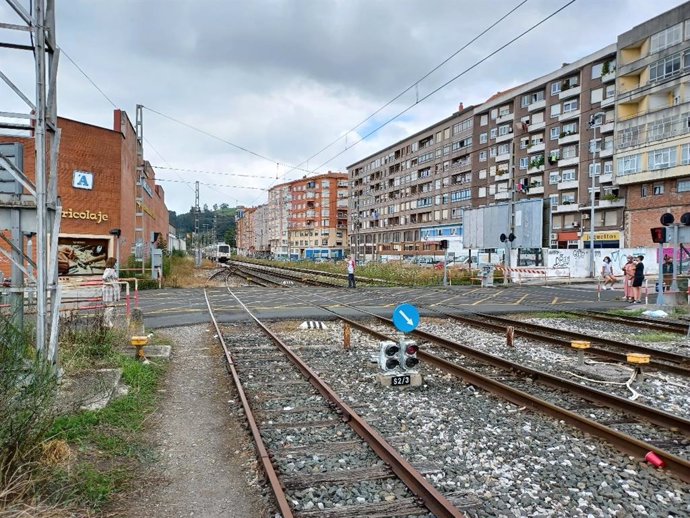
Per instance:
(269,470)
(293,276)
(333,275)
(637,321)
(657,353)
(438,504)
(594,351)
(623,442)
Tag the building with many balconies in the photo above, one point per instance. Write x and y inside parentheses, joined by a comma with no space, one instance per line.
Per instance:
(653,121)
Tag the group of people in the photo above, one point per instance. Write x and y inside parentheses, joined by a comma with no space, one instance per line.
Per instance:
(633,277)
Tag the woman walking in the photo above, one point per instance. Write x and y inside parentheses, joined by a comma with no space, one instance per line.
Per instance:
(638,278)
(111,290)
(607,273)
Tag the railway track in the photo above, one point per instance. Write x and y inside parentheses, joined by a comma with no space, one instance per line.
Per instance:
(640,321)
(601,347)
(296,421)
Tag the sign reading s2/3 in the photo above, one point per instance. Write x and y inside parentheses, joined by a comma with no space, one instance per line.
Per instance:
(406,318)
(82,180)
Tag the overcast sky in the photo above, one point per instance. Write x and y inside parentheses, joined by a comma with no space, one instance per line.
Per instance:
(284,79)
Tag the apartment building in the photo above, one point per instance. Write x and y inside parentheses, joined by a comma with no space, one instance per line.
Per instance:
(244,230)
(278,202)
(317,216)
(407,198)
(653,121)
(261,231)
(545,130)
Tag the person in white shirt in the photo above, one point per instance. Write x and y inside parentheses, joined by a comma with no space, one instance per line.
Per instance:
(350,272)
(607,273)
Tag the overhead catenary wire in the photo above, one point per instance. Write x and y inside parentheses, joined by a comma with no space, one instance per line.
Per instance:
(244,175)
(93,83)
(412,85)
(453,79)
(213,184)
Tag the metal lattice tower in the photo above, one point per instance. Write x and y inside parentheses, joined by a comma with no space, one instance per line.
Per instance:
(33,206)
(195,237)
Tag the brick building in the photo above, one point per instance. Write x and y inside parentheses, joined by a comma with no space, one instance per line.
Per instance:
(98,189)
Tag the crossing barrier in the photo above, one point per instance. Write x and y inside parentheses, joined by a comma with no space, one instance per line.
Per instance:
(518,274)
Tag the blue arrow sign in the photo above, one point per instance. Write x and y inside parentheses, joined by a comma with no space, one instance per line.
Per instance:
(406,318)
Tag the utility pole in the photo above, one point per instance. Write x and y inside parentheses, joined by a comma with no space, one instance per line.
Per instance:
(511,209)
(33,206)
(594,122)
(195,237)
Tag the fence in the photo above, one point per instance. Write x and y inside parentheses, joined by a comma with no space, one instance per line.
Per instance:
(86,295)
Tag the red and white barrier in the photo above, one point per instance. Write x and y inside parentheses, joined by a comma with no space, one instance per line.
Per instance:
(520,273)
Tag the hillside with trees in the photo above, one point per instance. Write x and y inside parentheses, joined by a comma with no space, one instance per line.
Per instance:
(222,215)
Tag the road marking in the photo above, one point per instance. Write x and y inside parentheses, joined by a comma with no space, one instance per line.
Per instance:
(520,300)
(555,299)
(487,298)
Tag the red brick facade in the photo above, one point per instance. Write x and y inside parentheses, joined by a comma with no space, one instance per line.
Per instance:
(110,156)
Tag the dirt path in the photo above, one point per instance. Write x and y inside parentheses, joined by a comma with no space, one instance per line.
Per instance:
(205,463)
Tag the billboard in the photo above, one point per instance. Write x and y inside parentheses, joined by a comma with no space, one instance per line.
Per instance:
(82,256)
(482,227)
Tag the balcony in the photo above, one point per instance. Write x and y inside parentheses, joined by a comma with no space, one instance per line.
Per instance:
(568,185)
(565,207)
(502,195)
(536,148)
(535,170)
(607,128)
(504,138)
(609,101)
(606,178)
(570,92)
(536,126)
(607,78)
(503,158)
(538,189)
(505,118)
(613,202)
(569,115)
(536,105)
(568,139)
(565,162)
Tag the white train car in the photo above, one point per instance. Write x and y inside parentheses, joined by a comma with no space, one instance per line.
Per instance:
(221,253)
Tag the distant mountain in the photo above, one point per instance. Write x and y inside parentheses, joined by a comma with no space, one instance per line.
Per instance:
(223,215)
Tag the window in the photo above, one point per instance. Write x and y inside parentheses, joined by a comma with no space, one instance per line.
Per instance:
(492,133)
(683,186)
(644,190)
(594,169)
(524,162)
(482,192)
(483,120)
(568,175)
(524,142)
(483,138)
(660,129)
(596,70)
(555,132)
(662,158)
(658,189)
(492,152)
(556,88)
(525,101)
(568,198)
(569,129)
(666,67)
(446,134)
(446,150)
(608,167)
(505,129)
(504,149)
(537,118)
(569,152)
(464,194)
(610,91)
(666,38)
(534,97)
(630,164)
(596,95)
(482,156)
(629,137)
(493,113)
(570,106)
(504,110)
(555,110)
(554,178)
(685,154)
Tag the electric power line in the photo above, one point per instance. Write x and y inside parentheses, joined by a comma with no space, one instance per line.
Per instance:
(476,64)
(209,172)
(213,184)
(415,83)
(62,51)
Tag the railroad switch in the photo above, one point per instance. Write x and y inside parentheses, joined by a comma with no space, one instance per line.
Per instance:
(581,346)
(139,342)
(637,360)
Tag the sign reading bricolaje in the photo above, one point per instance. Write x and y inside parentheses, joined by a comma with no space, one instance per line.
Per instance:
(98,217)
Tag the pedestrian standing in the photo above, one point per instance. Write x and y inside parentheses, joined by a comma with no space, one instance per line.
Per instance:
(638,278)
(607,273)
(628,274)
(111,290)
(351,272)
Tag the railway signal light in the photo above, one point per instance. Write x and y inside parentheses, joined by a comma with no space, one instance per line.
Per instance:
(659,235)
(388,356)
(408,355)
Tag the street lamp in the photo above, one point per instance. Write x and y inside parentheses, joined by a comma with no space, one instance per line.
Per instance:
(595,121)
